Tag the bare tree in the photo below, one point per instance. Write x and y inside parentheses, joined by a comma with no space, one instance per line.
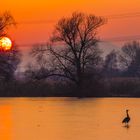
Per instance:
(8,59)
(38,68)
(130,58)
(6,20)
(78,34)
(111,67)
(78,54)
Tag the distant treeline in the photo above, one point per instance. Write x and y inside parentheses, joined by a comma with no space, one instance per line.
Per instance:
(71,63)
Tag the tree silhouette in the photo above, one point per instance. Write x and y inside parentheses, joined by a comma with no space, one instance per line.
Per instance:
(6,20)
(111,64)
(78,54)
(130,58)
(8,59)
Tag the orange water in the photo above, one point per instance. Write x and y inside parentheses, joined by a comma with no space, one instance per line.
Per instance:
(68,119)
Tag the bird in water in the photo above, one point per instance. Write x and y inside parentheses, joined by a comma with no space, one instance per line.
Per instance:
(126,119)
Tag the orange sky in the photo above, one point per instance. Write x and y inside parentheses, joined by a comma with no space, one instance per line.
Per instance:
(52,10)
(32,11)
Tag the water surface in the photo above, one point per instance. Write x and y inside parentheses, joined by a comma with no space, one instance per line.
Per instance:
(68,119)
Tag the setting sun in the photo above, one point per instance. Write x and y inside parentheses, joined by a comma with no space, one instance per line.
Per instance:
(5,43)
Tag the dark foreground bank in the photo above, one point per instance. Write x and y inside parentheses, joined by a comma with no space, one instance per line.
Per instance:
(107,88)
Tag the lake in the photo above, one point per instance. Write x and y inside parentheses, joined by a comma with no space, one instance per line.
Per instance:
(68,119)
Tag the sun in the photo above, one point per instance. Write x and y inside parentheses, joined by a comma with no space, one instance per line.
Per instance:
(5,43)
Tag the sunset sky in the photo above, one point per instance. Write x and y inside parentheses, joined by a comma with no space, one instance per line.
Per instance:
(37,18)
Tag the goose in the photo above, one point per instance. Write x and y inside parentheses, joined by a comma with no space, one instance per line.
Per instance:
(126,119)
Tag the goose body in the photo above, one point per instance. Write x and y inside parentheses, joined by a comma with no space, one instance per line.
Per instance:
(127,118)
